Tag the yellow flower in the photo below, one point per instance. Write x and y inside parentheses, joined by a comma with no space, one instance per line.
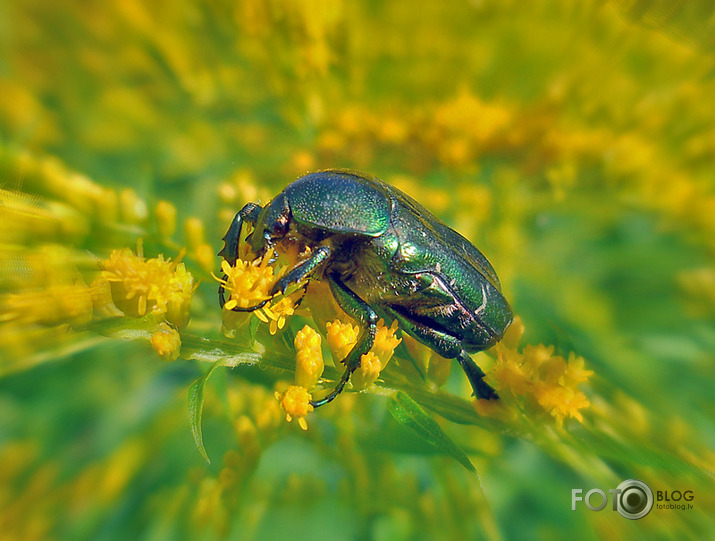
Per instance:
(560,401)
(574,372)
(308,357)
(275,314)
(194,233)
(295,401)
(50,291)
(249,282)
(165,214)
(133,208)
(166,341)
(341,339)
(533,357)
(367,373)
(205,256)
(385,342)
(158,286)
(537,376)
(509,376)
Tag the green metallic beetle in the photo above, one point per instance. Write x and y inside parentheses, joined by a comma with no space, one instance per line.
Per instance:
(383,255)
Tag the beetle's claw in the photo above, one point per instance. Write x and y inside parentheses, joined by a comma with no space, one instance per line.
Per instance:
(251,308)
(485,391)
(335,392)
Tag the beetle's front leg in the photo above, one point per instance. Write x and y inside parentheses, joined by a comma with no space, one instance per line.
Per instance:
(359,310)
(249,213)
(302,269)
(296,274)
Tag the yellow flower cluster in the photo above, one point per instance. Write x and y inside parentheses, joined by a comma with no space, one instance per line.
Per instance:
(535,376)
(309,357)
(197,247)
(240,188)
(249,283)
(295,401)
(310,365)
(24,218)
(455,131)
(343,336)
(158,286)
(166,341)
(52,290)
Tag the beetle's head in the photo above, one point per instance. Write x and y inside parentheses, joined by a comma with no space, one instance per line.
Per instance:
(272,225)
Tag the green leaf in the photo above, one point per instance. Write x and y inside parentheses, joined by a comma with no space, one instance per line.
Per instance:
(409,413)
(196,408)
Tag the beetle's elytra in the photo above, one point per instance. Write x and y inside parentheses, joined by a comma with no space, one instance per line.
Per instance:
(383,255)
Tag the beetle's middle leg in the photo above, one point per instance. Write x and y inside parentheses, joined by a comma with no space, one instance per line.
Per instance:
(302,269)
(359,310)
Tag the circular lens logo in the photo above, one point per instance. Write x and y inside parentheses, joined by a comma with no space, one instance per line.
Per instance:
(634,499)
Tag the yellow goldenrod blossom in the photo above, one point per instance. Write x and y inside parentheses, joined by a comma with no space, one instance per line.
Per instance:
(194,233)
(165,214)
(204,256)
(133,208)
(367,373)
(295,401)
(26,217)
(275,314)
(385,342)
(559,400)
(249,282)
(342,338)
(158,286)
(49,291)
(166,341)
(308,357)
(536,373)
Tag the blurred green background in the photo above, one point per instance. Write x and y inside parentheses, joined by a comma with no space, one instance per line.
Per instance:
(572,142)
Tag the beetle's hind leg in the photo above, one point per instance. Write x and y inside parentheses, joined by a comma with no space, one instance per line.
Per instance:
(358,309)
(475,375)
(446,345)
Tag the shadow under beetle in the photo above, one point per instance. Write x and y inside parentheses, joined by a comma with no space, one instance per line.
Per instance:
(383,255)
